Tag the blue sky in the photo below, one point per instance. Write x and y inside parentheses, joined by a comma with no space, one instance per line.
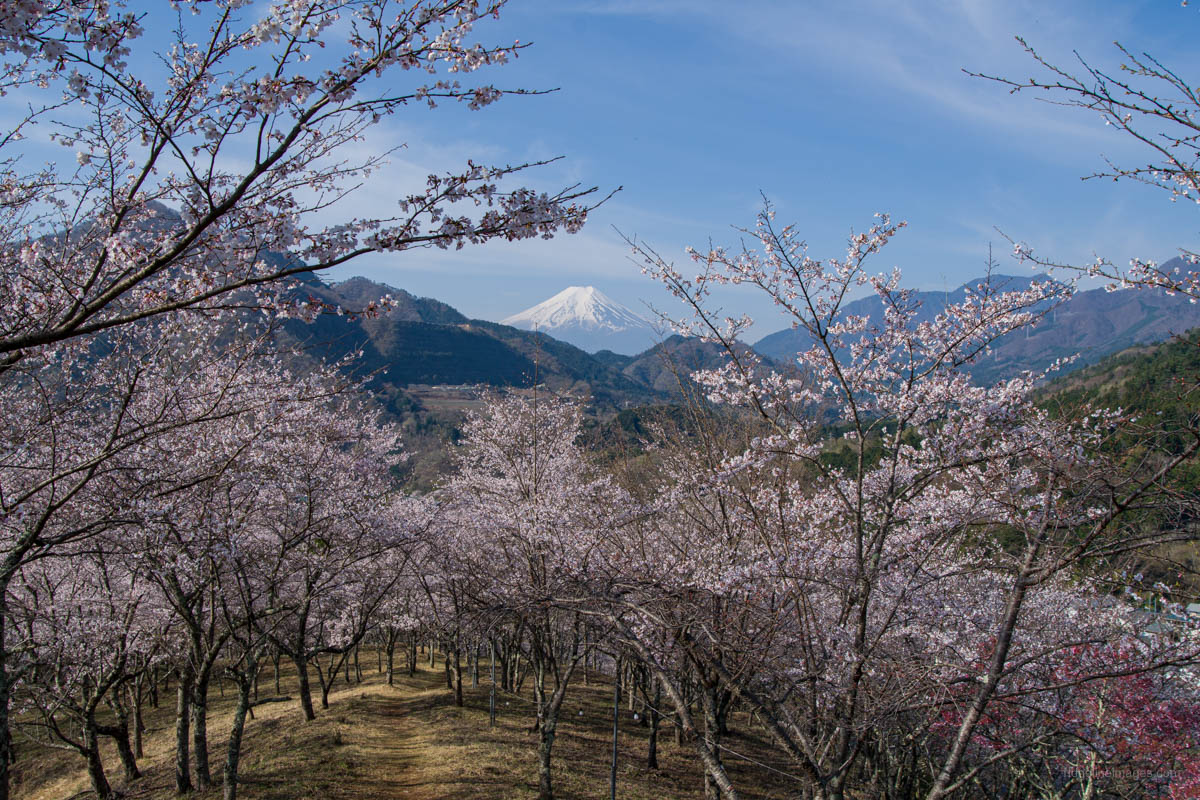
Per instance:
(833,110)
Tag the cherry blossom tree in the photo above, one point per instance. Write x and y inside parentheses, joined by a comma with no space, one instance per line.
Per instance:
(332,489)
(196,155)
(519,535)
(85,438)
(255,561)
(155,460)
(1130,734)
(922,549)
(303,496)
(402,614)
(203,164)
(1150,103)
(89,625)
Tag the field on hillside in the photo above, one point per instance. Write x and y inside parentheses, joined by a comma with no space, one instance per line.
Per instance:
(409,741)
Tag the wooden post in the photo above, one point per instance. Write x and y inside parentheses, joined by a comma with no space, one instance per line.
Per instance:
(492,701)
(612,775)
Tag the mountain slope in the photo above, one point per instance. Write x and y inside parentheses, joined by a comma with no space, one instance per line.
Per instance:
(425,342)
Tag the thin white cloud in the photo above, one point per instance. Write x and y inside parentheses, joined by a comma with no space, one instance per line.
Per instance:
(919,49)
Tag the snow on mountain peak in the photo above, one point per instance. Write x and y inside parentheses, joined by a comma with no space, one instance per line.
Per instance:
(587,318)
(582,306)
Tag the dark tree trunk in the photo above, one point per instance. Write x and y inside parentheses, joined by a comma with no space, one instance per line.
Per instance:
(712,734)
(391,659)
(120,735)
(327,679)
(139,725)
(95,766)
(183,775)
(548,707)
(724,700)
(545,745)
(200,729)
(305,689)
(233,750)
(501,652)
(655,721)
(458,689)
(705,749)
(6,749)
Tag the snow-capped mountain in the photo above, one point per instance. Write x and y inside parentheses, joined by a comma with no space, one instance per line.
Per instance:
(589,319)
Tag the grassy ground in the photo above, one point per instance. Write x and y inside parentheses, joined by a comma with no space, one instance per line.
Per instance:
(410,741)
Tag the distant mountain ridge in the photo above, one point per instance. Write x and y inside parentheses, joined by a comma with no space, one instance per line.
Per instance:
(1092,324)
(425,342)
(588,319)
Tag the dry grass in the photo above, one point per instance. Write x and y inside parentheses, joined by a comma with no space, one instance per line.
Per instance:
(410,741)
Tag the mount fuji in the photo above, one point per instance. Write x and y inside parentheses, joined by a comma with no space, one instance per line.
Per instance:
(589,319)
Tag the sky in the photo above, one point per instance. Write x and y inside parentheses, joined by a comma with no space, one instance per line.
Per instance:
(834,111)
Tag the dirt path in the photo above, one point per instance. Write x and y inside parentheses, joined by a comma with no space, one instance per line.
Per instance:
(392,734)
(402,742)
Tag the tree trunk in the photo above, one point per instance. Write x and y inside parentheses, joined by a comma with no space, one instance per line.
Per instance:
(200,729)
(233,751)
(183,775)
(326,680)
(724,700)
(458,690)
(655,721)
(546,742)
(139,725)
(712,734)
(6,750)
(631,684)
(305,689)
(549,706)
(501,653)
(999,658)
(587,655)
(704,748)
(474,657)
(120,734)
(391,659)
(95,766)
